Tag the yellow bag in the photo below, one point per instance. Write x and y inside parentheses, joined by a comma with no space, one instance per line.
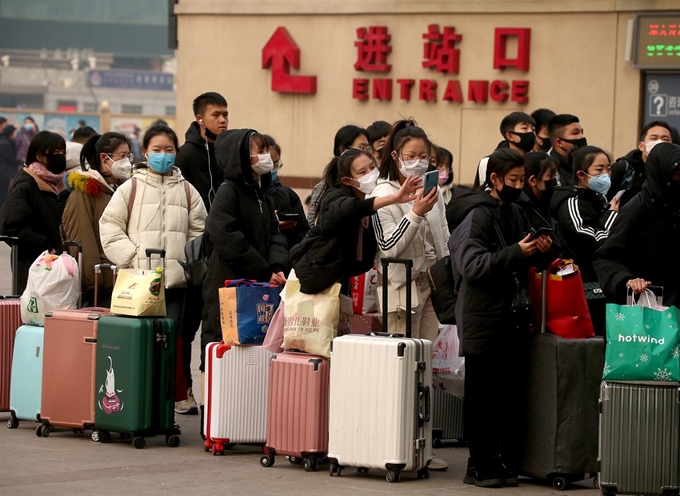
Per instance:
(310,321)
(139,293)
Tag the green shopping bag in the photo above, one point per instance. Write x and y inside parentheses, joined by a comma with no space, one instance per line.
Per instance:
(643,344)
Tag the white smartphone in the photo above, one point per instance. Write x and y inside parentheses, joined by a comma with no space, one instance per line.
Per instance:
(618,195)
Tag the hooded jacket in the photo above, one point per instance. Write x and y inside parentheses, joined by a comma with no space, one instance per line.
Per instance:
(32,213)
(160,218)
(486,270)
(241,227)
(89,197)
(628,173)
(582,225)
(564,168)
(398,233)
(645,240)
(287,200)
(199,165)
(328,254)
(537,213)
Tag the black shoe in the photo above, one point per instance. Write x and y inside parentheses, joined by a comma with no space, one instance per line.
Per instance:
(482,478)
(508,475)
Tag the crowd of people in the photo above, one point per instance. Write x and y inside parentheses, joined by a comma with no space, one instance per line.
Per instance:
(543,193)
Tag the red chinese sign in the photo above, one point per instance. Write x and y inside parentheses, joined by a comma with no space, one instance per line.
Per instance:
(440,52)
(281,53)
(373,49)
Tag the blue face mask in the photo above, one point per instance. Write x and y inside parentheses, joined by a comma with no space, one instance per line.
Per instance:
(28,127)
(600,183)
(161,162)
(275,174)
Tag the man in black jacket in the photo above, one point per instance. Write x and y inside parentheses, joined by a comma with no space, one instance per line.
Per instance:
(196,160)
(643,246)
(566,133)
(628,172)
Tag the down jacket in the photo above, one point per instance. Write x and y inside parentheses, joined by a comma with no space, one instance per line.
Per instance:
(160,218)
(398,233)
(90,195)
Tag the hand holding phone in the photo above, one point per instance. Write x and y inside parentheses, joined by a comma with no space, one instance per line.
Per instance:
(619,195)
(431,180)
(542,231)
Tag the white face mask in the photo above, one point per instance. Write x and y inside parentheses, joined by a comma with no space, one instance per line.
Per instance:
(120,169)
(651,144)
(264,164)
(367,183)
(416,167)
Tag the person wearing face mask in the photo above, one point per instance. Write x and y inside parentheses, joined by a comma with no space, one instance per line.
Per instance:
(628,172)
(35,204)
(518,131)
(491,255)
(539,187)
(415,230)
(643,245)
(542,117)
(105,163)
(156,208)
(342,243)
(584,220)
(444,165)
(286,200)
(9,164)
(566,135)
(24,137)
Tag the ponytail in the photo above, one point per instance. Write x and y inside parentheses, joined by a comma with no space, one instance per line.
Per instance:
(98,144)
(89,155)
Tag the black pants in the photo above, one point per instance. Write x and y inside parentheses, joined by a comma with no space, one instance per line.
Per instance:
(174,306)
(494,384)
(598,315)
(193,311)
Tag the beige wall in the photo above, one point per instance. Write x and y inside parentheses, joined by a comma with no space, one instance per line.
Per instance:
(577,66)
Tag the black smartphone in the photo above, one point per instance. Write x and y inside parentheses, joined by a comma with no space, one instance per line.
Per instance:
(431,180)
(540,232)
(287,216)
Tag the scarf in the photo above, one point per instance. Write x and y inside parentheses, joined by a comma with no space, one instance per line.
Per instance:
(54,181)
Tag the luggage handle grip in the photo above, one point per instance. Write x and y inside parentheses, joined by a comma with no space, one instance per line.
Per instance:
(426,400)
(155,251)
(90,340)
(13,241)
(97,271)
(74,244)
(408,263)
(387,334)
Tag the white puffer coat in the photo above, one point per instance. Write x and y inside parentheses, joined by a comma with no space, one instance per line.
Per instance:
(160,219)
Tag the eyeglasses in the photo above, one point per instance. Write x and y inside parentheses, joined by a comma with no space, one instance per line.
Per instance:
(122,155)
(278,164)
(366,148)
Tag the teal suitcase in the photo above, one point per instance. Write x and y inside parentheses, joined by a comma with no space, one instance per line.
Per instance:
(135,379)
(26,383)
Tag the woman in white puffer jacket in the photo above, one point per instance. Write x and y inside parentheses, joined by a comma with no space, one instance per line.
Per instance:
(157,208)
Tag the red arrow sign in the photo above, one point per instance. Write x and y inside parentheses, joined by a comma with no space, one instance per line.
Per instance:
(280,53)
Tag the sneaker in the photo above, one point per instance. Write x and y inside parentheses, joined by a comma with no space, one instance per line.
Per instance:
(508,475)
(187,406)
(438,464)
(481,478)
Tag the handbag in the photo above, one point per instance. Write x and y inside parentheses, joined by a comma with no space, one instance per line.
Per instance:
(246,310)
(444,290)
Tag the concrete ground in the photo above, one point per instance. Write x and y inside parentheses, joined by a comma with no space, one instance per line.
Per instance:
(66,464)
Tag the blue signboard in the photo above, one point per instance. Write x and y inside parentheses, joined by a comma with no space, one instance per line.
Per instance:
(139,80)
(662,98)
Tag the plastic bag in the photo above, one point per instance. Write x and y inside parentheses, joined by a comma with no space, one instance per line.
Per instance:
(274,337)
(648,299)
(53,284)
(446,364)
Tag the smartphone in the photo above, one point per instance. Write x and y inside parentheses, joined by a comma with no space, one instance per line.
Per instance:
(431,180)
(618,195)
(540,232)
(287,216)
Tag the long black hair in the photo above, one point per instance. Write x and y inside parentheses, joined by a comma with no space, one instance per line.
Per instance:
(346,136)
(341,166)
(501,162)
(402,132)
(44,143)
(583,158)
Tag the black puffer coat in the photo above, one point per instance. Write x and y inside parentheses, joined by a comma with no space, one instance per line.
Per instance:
(241,227)
(645,240)
(199,165)
(286,200)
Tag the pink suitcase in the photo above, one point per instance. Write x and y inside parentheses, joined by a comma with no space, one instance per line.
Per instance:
(10,321)
(69,358)
(297,418)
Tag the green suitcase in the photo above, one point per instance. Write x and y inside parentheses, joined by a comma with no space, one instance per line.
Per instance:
(135,379)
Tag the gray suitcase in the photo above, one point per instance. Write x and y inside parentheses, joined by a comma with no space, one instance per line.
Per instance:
(447,420)
(640,439)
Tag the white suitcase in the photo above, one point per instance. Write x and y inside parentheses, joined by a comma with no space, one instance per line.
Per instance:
(236,381)
(380,405)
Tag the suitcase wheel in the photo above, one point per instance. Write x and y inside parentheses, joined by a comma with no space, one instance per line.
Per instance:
(424,473)
(362,470)
(310,464)
(559,483)
(217,449)
(393,475)
(335,469)
(13,423)
(267,460)
(295,460)
(139,442)
(39,431)
(78,431)
(172,441)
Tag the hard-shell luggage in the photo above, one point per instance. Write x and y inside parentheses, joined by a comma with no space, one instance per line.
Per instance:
(561,421)
(236,385)
(640,438)
(10,321)
(135,379)
(68,393)
(447,420)
(297,417)
(380,402)
(26,384)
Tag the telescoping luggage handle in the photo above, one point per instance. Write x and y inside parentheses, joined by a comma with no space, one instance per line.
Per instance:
(408,263)
(155,251)
(14,260)
(97,272)
(79,248)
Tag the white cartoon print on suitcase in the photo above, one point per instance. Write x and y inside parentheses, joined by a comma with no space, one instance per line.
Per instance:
(110,403)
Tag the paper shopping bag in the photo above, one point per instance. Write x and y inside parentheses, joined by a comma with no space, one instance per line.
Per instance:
(246,310)
(139,293)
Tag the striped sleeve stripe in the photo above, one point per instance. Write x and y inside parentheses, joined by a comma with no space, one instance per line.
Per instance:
(389,243)
(610,221)
(576,218)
